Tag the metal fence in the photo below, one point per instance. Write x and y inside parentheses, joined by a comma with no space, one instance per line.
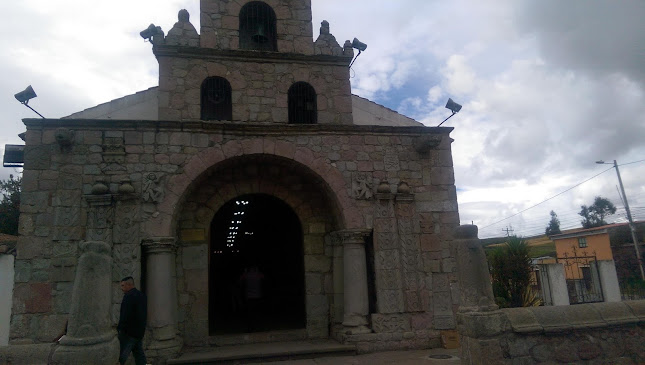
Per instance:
(583,278)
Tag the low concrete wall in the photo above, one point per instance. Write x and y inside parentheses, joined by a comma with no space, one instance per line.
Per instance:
(580,334)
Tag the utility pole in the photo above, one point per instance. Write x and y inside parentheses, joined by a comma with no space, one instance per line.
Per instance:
(632,228)
(508,230)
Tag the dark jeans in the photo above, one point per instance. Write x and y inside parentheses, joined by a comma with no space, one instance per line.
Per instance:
(131,344)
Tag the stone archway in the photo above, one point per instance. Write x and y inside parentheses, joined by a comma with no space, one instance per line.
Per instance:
(301,190)
(256,267)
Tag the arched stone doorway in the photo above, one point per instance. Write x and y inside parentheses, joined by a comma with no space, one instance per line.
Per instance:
(256,267)
(308,197)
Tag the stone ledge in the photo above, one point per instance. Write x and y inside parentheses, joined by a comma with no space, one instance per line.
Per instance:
(567,318)
(246,55)
(230,127)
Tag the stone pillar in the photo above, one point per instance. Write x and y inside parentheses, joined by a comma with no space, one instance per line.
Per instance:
(90,337)
(608,280)
(6,296)
(356,301)
(161,290)
(387,260)
(555,285)
(337,278)
(476,291)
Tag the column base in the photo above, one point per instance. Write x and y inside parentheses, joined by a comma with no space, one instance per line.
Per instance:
(355,324)
(359,330)
(97,353)
(165,349)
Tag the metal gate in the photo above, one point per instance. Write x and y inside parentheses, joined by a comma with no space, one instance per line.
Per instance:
(583,278)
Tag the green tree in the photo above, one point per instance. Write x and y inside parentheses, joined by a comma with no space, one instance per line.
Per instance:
(554,225)
(10,205)
(594,215)
(510,268)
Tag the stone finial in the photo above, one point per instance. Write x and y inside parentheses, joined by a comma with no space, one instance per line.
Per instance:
(326,43)
(383,188)
(348,50)
(183,16)
(183,33)
(403,188)
(324,27)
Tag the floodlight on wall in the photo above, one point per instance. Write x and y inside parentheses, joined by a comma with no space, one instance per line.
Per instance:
(360,46)
(24,96)
(453,107)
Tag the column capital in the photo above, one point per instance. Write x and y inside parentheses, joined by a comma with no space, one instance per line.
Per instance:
(159,244)
(349,236)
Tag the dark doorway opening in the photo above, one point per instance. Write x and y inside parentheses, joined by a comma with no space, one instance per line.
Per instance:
(256,271)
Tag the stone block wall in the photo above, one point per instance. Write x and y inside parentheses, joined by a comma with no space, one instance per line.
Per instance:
(259,88)
(599,333)
(329,175)
(220,24)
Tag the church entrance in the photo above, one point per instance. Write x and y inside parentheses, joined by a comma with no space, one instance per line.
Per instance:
(256,267)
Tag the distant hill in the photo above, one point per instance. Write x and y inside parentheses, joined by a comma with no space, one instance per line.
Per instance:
(540,245)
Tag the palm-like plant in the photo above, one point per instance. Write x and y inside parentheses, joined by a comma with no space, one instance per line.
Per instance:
(510,268)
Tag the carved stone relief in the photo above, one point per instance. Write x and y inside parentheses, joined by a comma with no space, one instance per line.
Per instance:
(390,323)
(362,187)
(113,150)
(391,161)
(387,260)
(67,223)
(152,189)
(127,259)
(126,228)
(389,301)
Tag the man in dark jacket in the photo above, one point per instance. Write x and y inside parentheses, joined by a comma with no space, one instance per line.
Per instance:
(132,322)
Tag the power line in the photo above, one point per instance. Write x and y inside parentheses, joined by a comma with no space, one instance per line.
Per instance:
(546,200)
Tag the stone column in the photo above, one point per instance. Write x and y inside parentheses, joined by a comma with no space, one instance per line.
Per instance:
(337,278)
(90,338)
(356,301)
(161,290)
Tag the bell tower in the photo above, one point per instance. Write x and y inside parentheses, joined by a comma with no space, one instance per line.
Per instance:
(253,62)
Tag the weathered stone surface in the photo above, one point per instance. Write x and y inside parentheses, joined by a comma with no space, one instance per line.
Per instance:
(591,343)
(90,338)
(183,170)
(386,323)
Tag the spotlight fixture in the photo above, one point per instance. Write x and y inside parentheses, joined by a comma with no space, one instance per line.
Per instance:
(24,96)
(453,107)
(360,46)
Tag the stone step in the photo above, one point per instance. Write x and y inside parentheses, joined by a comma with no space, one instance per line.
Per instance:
(266,352)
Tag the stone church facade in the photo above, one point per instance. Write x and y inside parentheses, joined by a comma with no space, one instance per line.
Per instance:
(249,111)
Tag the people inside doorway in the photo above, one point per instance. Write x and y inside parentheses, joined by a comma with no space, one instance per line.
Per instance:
(252,281)
(132,322)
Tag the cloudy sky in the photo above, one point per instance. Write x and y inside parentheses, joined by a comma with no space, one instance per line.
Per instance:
(547,86)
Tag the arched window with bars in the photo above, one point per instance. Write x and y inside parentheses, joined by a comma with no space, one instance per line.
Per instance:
(258,27)
(216,99)
(303,108)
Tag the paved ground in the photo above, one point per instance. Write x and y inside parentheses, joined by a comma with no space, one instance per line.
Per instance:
(410,357)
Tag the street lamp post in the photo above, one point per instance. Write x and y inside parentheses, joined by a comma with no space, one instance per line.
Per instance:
(632,228)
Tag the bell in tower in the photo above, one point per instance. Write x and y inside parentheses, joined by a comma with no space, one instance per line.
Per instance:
(258,27)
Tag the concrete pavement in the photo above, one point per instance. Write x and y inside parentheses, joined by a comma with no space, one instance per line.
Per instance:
(409,357)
